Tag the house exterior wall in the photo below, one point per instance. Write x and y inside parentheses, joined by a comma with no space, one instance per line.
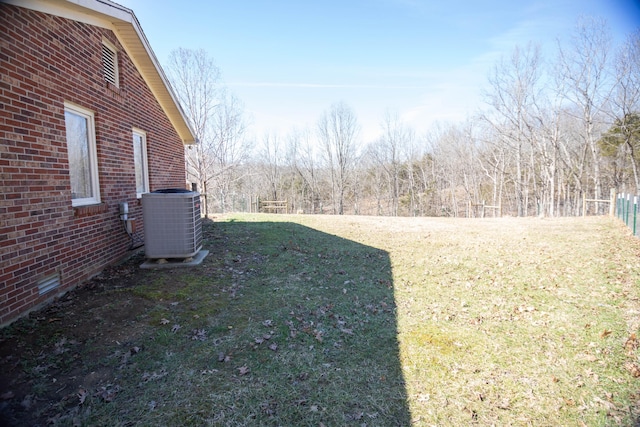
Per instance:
(45,61)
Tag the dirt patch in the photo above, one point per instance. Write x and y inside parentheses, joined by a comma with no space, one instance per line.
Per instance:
(47,357)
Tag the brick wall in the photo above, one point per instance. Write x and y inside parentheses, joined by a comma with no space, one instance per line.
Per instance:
(45,61)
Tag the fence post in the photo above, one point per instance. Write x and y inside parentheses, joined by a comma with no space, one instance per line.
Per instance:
(612,206)
(621,206)
(628,207)
(618,207)
(635,211)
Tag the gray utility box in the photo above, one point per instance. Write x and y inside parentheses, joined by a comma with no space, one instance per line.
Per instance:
(172,223)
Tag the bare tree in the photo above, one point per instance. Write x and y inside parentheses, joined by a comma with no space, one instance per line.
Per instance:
(583,66)
(540,144)
(626,102)
(376,177)
(513,85)
(217,120)
(338,129)
(228,149)
(455,167)
(412,176)
(271,157)
(196,79)
(493,159)
(303,158)
(392,145)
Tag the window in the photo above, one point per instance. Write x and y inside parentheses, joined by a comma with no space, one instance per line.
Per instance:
(83,163)
(110,62)
(140,159)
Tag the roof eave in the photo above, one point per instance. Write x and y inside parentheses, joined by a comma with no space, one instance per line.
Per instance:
(134,41)
(123,22)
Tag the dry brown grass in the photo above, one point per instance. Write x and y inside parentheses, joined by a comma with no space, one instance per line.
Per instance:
(511,321)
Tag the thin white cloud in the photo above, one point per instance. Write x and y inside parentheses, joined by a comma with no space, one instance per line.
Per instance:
(325,85)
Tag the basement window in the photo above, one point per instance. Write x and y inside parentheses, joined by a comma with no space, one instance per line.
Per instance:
(49,283)
(110,62)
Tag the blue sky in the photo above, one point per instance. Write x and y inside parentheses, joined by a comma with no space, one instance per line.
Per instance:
(427,61)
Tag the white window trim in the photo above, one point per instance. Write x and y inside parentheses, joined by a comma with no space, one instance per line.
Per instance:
(93,156)
(116,74)
(145,163)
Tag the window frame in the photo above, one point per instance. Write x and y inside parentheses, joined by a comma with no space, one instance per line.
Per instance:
(113,69)
(145,162)
(92,152)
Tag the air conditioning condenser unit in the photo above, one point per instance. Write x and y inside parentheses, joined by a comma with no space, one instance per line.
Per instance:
(172,223)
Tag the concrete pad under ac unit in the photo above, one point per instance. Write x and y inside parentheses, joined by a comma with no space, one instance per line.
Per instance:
(158,264)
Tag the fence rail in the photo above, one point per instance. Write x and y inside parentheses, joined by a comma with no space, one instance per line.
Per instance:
(273,206)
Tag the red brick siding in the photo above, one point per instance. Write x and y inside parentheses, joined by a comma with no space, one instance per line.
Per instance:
(45,61)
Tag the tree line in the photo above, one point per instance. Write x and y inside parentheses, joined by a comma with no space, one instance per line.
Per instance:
(552,132)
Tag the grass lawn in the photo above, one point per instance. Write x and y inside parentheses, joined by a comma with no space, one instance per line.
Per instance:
(301,320)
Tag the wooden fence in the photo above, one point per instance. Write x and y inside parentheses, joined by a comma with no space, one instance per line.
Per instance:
(273,206)
(479,209)
(611,201)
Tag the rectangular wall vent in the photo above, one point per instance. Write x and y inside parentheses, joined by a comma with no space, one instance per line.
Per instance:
(49,283)
(110,64)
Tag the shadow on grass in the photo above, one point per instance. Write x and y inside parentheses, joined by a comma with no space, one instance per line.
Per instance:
(318,315)
(280,325)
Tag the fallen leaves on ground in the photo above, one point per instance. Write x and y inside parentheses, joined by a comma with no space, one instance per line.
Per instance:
(152,376)
(199,335)
(633,369)
(82,396)
(631,344)
(108,392)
